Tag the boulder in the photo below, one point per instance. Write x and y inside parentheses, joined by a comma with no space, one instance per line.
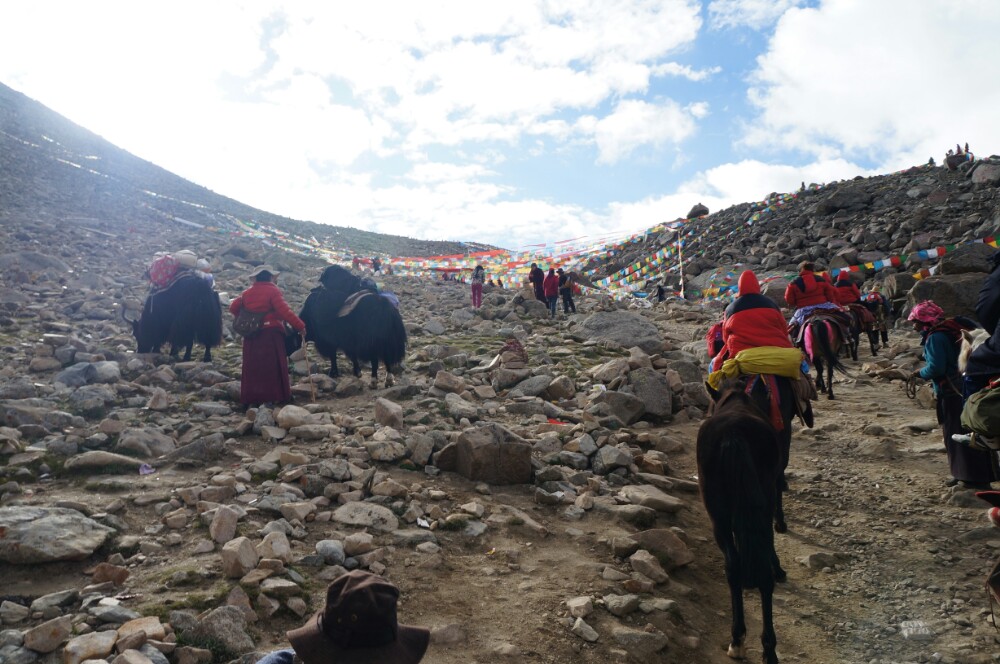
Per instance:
(494,455)
(956,293)
(624,328)
(47,534)
(653,389)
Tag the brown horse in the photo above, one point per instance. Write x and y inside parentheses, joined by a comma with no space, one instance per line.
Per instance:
(862,322)
(822,341)
(739,468)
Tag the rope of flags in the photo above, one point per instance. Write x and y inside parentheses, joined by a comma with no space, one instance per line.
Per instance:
(694,237)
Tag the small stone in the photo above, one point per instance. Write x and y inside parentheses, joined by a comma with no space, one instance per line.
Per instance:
(585,631)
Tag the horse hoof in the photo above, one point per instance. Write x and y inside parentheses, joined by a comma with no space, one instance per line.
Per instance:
(780,527)
(830,397)
(737,651)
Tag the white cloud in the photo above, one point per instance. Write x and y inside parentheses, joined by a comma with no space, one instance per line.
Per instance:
(635,123)
(752,180)
(684,71)
(756,14)
(879,81)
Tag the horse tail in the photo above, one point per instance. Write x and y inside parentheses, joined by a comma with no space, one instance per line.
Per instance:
(751,512)
(818,343)
(826,334)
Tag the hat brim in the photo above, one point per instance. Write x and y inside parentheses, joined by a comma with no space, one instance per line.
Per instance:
(313,647)
(269,270)
(992,497)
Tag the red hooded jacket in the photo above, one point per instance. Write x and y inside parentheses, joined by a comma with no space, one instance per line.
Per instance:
(265,296)
(809,289)
(550,285)
(847,291)
(753,320)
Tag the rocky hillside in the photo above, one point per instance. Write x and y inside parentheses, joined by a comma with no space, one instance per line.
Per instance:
(851,224)
(54,170)
(146,518)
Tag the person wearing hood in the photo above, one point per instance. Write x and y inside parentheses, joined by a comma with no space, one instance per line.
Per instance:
(751,320)
(808,292)
(941,337)
(847,291)
(550,288)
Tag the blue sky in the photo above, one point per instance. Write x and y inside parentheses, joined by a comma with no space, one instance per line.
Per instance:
(520,122)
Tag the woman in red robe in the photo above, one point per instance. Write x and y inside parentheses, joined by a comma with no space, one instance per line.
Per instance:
(265,364)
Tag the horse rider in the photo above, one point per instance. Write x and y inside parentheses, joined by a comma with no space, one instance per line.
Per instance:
(751,320)
(849,297)
(807,293)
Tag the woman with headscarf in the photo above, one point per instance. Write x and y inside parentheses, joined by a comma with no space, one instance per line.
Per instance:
(941,338)
(265,365)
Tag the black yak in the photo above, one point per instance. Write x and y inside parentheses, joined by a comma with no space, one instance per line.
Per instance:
(340,314)
(186,311)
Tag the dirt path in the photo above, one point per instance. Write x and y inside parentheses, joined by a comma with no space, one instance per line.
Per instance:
(887,542)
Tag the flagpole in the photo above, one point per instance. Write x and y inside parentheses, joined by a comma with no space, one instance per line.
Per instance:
(680,260)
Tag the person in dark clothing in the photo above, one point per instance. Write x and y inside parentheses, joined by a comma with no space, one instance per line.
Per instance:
(566,292)
(984,363)
(661,293)
(535,278)
(550,288)
(941,338)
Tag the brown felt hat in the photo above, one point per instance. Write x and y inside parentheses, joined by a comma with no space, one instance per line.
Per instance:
(992,497)
(358,626)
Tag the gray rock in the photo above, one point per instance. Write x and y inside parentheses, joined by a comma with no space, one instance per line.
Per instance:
(653,389)
(48,534)
(225,625)
(366,515)
(494,455)
(332,551)
(624,328)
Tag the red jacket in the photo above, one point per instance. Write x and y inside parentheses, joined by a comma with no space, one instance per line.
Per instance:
(265,296)
(847,292)
(550,286)
(809,289)
(753,320)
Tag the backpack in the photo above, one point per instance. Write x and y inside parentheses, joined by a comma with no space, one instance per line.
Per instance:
(248,322)
(981,412)
(162,271)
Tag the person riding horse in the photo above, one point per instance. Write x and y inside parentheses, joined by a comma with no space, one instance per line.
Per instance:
(862,320)
(810,292)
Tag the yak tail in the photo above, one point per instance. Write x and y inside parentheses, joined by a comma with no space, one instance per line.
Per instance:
(751,512)
(208,316)
(393,335)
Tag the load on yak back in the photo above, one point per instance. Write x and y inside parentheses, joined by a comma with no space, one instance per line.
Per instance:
(167,268)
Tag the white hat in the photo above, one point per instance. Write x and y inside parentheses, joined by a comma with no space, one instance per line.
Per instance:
(186,258)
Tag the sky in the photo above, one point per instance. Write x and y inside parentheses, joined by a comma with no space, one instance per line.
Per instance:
(514,123)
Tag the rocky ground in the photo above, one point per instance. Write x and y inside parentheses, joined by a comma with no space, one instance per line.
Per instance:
(144,516)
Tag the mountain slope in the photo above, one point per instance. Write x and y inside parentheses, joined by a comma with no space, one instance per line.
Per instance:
(53,169)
